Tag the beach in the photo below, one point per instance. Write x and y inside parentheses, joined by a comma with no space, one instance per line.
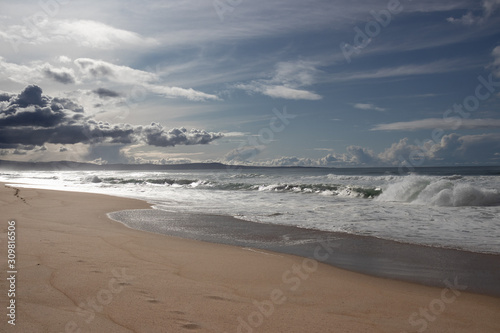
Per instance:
(79,271)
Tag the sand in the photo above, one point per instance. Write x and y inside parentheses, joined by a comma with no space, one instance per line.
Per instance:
(78,271)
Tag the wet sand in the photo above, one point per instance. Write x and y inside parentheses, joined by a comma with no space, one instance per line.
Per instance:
(426,265)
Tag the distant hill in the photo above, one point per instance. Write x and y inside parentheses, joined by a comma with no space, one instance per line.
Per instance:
(68,165)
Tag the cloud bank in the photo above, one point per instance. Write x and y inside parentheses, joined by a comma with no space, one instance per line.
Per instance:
(452,149)
(94,72)
(33,119)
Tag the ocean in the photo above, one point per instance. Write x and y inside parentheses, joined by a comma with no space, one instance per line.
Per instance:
(456,208)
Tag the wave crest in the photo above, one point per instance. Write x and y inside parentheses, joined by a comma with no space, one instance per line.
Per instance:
(444,192)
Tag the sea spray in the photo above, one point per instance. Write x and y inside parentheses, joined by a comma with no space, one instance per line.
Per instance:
(449,191)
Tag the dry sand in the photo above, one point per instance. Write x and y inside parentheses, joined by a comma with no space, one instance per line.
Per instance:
(78,271)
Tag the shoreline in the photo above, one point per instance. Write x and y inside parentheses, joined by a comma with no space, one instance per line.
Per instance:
(78,269)
(426,265)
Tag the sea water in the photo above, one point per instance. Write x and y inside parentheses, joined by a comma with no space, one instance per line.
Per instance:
(443,207)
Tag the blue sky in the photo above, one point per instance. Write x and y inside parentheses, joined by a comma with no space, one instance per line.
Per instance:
(316,83)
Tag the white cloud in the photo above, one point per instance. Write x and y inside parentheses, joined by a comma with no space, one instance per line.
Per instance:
(35,71)
(86,33)
(466,19)
(21,73)
(291,161)
(98,70)
(356,156)
(96,34)
(62,75)
(296,73)
(451,149)
(247,155)
(476,148)
(399,149)
(329,160)
(496,61)
(488,8)
(286,82)
(367,106)
(63,59)
(174,92)
(235,134)
(289,93)
(440,66)
(360,155)
(94,72)
(278,91)
(439,123)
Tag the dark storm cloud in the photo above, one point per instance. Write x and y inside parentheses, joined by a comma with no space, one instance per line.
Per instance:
(31,95)
(12,146)
(59,76)
(19,149)
(37,116)
(66,103)
(5,97)
(32,119)
(31,108)
(106,93)
(113,133)
(157,135)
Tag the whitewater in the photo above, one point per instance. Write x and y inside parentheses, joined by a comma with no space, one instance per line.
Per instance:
(442,207)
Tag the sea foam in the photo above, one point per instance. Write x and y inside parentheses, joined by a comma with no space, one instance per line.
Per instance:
(443,192)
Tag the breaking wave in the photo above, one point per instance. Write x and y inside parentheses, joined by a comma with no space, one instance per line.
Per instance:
(451,190)
(139,181)
(322,189)
(442,192)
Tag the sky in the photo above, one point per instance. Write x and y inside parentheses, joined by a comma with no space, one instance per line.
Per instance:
(332,83)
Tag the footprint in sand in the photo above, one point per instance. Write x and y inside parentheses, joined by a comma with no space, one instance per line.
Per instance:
(178,312)
(217,298)
(191,326)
